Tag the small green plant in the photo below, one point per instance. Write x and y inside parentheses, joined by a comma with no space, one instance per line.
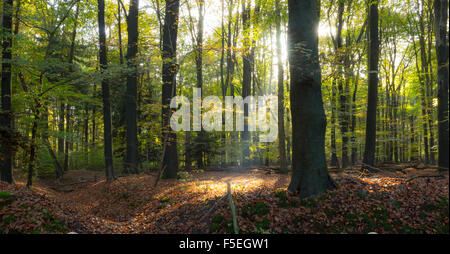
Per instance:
(281,194)
(183,176)
(218,218)
(5,195)
(5,199)
(259,208)
(164,200)
(54,225)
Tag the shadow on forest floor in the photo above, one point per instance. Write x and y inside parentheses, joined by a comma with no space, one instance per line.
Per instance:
(384,202)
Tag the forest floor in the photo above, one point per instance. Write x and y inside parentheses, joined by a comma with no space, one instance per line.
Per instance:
(391,200)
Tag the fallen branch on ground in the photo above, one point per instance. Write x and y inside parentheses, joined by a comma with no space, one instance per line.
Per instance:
(424,176)
(233,209)
(364,166)
(79,182)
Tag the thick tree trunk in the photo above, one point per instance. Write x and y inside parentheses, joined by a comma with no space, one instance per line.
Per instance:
(373,55)
(6,130)
(107,133)
(169,71)
(441,18)
(131,159)
(310,175)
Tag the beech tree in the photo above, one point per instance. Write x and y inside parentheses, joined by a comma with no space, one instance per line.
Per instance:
(441,19)
(281,134)
(373,54)
(6,130)
(310,175)
(169,72)
(107,132)
(131,157)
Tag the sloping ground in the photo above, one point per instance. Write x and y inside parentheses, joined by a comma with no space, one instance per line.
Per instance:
(198,203)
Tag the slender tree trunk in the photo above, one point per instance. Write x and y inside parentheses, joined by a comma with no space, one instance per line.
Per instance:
(373,55)
(169,71)
(107,132)
(119,26)
(231,40)
(187,151)
(334,158)
(427,81)
(61,128)
(247,80)
(131,159)
(67,145)
(6,113)
(86,134)
(310,175)
(353,126)
(201,139)
(281,135)
(223,154)
(32,148)
(423,107)
(45,137)
(441,18)
(94,127)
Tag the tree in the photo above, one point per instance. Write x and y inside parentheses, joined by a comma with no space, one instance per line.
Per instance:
(107,132)
(373,55)
(281,135)
(6,94)
(246,78)
(310,176)
(201,139)
(131,158)
(441,18)
(169,72)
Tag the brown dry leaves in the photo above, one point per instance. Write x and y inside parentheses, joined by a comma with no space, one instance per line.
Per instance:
(132,205)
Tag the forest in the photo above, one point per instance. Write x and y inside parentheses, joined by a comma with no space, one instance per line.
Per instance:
(89,101)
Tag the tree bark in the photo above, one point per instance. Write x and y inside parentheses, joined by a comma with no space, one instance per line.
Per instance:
(107,132)
(247,80)
(131,159)
(441,18)
(6,113)
(310,175)
(373,55)
(169,71)
(281,133)
(201,139)
(334,158)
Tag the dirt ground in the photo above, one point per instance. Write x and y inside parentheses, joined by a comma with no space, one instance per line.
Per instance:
(198,203)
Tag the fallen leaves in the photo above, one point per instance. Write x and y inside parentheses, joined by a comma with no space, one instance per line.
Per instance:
(361,204)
